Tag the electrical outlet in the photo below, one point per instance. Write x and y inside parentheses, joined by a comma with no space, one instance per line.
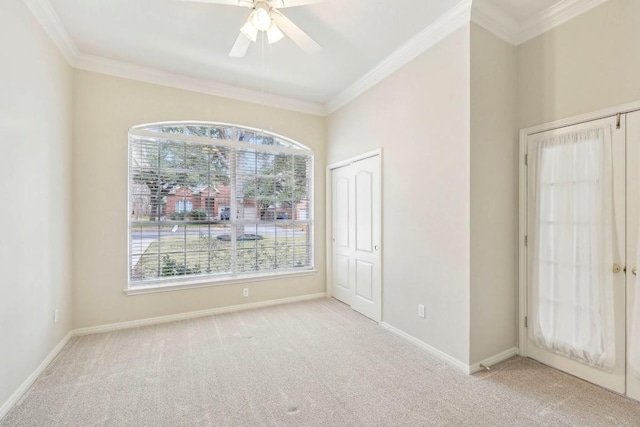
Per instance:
(245,292)
(420,310)
(55,316)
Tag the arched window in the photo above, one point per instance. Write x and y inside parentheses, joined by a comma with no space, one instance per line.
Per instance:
(211,201)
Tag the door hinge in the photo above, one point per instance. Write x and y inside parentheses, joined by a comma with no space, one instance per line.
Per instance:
(526,321)
(526,159)
(618,117)
(526,240)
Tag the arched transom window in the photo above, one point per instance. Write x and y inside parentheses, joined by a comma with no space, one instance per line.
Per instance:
(210,201)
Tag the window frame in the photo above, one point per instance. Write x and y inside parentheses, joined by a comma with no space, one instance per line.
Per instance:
(174,283)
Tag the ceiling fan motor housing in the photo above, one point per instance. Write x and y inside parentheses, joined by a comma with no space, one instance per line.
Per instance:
(261,16)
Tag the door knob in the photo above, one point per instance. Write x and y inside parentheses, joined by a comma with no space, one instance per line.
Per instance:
(616,269)
(635,271)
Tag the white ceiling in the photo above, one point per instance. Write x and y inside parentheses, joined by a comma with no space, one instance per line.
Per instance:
(193,39)
(522,10)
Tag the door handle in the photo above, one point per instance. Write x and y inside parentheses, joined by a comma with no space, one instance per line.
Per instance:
(375,247)
(635,271)
(616,269)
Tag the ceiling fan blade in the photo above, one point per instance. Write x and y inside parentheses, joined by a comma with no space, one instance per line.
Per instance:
(294,32)
(240,47)
(281,4)
(244,3)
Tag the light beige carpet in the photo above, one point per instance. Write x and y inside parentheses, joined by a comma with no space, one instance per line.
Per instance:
(315,363)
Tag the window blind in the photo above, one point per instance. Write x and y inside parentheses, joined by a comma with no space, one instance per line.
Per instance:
(217,201)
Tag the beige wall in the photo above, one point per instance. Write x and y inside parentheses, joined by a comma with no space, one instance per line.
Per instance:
(104,110)
(35,189)
(589,63)
(494,195)
(420,118)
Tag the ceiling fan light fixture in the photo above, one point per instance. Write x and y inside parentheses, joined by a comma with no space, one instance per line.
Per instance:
(261,17)
(274,34)
(249,30)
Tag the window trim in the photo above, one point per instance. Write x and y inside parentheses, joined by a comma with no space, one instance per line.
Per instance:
(225,142)
(202,281)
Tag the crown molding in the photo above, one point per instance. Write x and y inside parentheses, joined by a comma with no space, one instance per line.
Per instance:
(49,20)
(430,36)
(129,71)
(493,19)
(483,13)
(554,16)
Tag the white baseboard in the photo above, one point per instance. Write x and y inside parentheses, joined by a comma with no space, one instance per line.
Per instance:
(15,397)
(467,369)
(193,314)
(423,345)
(496,358)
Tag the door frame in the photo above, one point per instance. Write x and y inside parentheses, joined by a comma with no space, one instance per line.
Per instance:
(522,203)
(329,219)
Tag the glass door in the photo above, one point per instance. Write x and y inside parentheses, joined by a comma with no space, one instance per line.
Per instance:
(576,251)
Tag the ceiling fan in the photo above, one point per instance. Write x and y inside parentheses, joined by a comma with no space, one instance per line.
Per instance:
(265,16)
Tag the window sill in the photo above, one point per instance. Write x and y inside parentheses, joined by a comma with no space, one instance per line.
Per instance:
(206,283)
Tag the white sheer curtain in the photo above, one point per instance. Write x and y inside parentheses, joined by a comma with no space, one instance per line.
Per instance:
(571,282)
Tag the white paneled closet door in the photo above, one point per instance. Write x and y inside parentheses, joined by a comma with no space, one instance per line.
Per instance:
(343,233)
(356,216)
(576,251)
(633,241)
